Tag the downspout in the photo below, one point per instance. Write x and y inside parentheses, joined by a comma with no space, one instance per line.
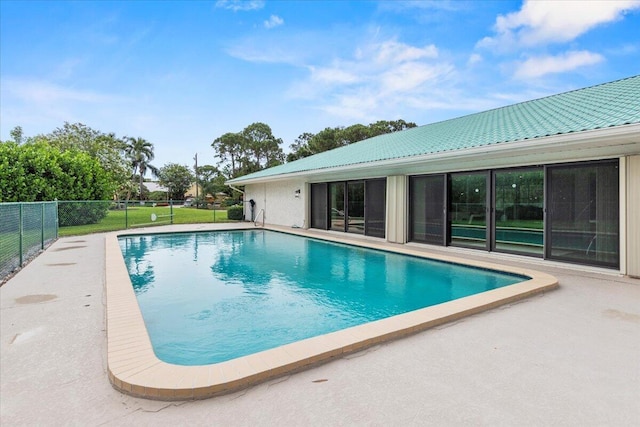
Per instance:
(237,189)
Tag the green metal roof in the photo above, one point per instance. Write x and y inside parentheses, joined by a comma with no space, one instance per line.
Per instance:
(606,105)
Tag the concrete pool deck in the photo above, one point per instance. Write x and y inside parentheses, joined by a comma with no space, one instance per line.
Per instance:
(571,357)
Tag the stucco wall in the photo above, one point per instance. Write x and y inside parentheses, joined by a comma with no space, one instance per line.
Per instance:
(633,216)
(281,204)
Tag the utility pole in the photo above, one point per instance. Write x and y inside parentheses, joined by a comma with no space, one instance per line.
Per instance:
(196,169)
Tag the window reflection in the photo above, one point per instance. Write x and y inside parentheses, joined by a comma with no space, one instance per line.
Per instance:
(519,211)
(468,209)
(337,206)
(355,209)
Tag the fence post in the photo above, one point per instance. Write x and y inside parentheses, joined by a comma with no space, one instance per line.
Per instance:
(57,222)
(21,231)
(126,214)
(171,210)
(42,226)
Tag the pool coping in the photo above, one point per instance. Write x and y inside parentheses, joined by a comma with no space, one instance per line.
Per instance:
(134,369)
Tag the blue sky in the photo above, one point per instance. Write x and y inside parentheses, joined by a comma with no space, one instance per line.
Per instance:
(181,74)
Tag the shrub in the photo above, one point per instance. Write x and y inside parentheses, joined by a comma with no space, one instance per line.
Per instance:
(235,213)
(81,213)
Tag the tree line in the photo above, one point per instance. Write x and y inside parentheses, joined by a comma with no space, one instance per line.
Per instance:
(76,162)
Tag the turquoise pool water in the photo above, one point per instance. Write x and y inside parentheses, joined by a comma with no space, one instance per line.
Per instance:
(208,297)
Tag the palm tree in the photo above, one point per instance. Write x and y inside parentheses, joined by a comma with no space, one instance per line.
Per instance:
(140,153)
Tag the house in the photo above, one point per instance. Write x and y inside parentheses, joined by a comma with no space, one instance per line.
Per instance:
(556,178)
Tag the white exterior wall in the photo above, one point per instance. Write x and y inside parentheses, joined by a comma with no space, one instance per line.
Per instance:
(281,203)
(396,209)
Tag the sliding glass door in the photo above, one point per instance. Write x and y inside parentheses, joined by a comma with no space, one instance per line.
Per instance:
(357,207)
(583,213)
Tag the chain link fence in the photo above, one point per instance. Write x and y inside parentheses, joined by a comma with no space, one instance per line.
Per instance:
(25,230)
(83,217)
(28,228)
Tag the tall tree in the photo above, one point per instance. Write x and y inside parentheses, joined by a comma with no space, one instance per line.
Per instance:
(251,150)
(17,135)
(300,148)
(106,148)
(230,147)
(263,146)
(327,139)
(212,180)
(177,178)
(140,154)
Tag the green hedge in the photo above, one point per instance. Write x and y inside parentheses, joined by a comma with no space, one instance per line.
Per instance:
(235,213)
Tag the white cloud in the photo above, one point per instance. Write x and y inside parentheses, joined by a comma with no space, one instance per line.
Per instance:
(42,92)
(240,5)
(333,75)
(542,65)
(409,77)
(273,21)
(41,105)
(474,58)
(394,52)
(379,77)
(543,22)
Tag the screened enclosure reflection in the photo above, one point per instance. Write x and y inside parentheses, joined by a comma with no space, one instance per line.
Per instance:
(519,211)
(468,209)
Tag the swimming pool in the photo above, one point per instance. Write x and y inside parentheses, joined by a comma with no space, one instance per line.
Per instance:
(133,367)
(215,296)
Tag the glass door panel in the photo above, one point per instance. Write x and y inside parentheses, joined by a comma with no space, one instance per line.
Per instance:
(519,211)
(426,206)
(319,206)
(355,207)
(336,197)
(583,213)
(375,193)
(468,219)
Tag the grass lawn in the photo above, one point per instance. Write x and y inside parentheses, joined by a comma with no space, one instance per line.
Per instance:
(141,217)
